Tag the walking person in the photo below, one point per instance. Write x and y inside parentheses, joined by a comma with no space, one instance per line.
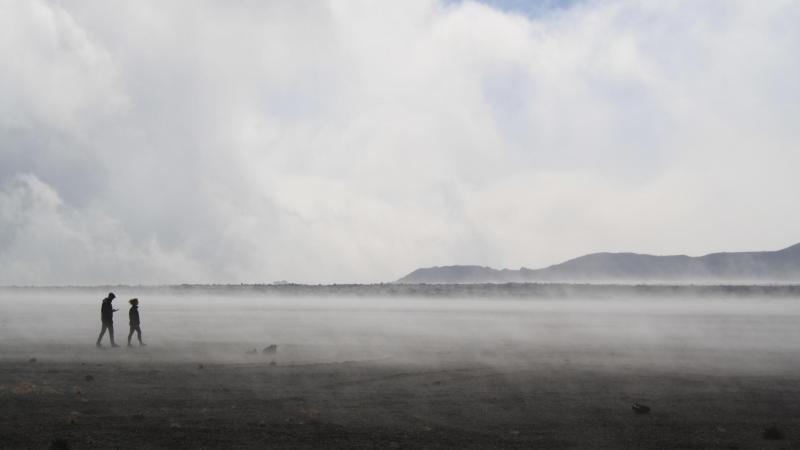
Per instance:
(107,317)
(133,315)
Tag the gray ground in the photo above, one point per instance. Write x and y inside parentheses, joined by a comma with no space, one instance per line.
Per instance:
(401,373)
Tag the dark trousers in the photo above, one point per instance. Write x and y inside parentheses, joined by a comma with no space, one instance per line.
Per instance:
(106,326)
(138,333)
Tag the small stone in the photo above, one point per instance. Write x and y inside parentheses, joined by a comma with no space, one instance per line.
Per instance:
(201,367)
(773,433)
(174,425)
(24,389)
(59,444)
(638,408)
(72,418)
(89,378)
(311,412)
(32,360)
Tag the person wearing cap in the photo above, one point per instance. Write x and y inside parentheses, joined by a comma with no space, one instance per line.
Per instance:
(107,317)
(133,315)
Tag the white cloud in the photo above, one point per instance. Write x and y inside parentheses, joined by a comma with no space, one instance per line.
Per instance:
(355,141)
(45,239)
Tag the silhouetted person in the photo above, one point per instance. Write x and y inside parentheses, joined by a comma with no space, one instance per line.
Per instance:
(107,317)
(133,315)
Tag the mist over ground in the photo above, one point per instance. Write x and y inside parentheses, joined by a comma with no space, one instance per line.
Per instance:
(461,369)
(219,144)
(738,332)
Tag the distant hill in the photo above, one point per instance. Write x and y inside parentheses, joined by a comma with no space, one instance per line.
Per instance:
(782,266)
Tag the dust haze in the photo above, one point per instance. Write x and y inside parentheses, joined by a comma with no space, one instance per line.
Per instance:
(197,149)
(532,366)
(713,332)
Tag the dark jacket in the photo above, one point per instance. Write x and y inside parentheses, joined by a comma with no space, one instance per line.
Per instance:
(107,312)
(133,315)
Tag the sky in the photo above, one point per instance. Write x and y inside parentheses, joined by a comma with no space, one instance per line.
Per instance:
(151,142)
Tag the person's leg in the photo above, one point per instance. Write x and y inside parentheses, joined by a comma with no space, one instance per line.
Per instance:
(131,335)
(139,334)
(111,334)
(102,332)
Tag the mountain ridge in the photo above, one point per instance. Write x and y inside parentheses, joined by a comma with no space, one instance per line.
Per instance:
(626,267)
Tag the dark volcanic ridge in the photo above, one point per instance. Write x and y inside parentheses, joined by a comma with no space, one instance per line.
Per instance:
(781,266)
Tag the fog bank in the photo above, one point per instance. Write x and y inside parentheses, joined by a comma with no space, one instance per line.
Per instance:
(696,333)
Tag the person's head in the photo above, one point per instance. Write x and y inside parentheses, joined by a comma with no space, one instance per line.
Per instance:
(134,301)
(111,296)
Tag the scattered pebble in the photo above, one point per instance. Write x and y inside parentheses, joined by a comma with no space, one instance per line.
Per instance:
(72,418)
(24,388)
(638,408)
(772,432)
(174,425)
(310,412)
(59,444)
(201,367)
(32,360)
(89,378)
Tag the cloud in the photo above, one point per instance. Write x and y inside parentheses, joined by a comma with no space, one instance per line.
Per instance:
(43,238)
(354,141)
